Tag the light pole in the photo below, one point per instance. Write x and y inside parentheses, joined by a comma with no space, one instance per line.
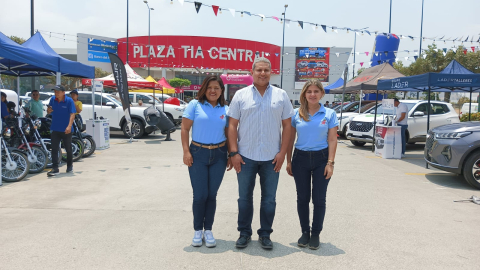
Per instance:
(421,38)
(390,21)
(354,49)
(283,47)
(126,62)
(149,8)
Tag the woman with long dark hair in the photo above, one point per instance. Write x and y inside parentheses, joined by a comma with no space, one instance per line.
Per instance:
(206,156)
(313,159)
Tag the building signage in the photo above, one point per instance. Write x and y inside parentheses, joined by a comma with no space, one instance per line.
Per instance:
(102,45)
(191,87)
(98,56)
(197,52)
(311,63)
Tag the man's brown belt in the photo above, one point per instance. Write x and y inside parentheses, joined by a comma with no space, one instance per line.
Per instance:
(210,146)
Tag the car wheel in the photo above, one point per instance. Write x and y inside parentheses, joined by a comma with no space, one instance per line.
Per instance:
(137,127)
(357,143)
(471,170)
(344,131)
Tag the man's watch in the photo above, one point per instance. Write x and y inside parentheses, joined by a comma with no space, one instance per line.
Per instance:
(331,162)
(232,154)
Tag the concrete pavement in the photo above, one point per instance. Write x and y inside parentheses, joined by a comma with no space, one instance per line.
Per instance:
(129,207)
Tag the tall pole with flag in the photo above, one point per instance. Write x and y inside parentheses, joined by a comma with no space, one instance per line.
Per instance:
(283,47)
(149,9)
(127,34)
(390,20)
(421,38)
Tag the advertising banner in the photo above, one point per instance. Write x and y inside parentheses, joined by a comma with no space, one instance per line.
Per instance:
(311,63)
(237,79)
(197,52)
(388,141)
(120,75)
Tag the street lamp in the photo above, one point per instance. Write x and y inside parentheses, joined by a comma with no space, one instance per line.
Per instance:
(354,49)
(390,21)
(421,38)
(149,8)
(283,47)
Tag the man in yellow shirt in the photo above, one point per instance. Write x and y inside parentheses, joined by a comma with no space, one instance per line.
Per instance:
(78,105)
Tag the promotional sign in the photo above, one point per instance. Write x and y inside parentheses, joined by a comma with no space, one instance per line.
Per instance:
(120,75)
(98,57)
(388,141)
(311,63)
(388,104)
(191,87)
(197,52)
(237,79)
(97,86)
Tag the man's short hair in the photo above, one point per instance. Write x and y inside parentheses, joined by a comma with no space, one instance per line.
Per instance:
(35,90)
(263,60)
(3,94)
(396,99)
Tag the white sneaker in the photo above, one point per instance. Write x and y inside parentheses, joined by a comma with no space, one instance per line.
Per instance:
(209,240)
(197,239)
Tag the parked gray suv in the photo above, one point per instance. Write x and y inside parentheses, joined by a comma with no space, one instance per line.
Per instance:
(456,148)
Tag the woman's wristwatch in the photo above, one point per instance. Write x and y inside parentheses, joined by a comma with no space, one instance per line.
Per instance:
(331,163)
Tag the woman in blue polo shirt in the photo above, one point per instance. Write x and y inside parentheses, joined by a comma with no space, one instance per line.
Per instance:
(313,159)
(206,157)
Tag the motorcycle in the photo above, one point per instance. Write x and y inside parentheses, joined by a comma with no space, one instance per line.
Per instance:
(35,125)
(36,156)
(15,164)
(77,144)
(88,142)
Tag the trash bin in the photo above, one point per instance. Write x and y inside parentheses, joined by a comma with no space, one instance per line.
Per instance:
(100,131)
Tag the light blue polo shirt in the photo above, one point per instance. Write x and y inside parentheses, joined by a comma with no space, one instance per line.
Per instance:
(313,135)
(209,123)
(61,113)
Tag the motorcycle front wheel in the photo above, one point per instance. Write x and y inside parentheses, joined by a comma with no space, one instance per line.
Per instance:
(48,144)
(90,146)
(42,160)
(77,150)
(18,169)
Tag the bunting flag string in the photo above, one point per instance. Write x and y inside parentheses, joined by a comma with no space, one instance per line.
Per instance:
(335,28)
(215,9)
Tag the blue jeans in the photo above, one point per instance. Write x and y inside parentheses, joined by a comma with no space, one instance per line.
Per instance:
(206,175)
(308,168)
(404,137)
(246,184)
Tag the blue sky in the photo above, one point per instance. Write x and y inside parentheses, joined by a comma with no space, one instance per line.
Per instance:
(108,18)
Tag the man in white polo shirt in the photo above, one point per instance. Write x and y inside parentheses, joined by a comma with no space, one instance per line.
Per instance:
(258,146)
(402,121)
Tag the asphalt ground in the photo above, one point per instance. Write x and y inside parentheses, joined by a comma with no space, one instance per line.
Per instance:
(129,207)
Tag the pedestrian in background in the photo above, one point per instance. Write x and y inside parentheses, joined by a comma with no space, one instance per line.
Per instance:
(5,113)
(257,146)
(402,120)
(327,105)
(62,109)
(206,157)
(35,104)
(313,159)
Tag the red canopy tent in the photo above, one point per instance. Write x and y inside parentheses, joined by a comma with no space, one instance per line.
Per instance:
(134,80)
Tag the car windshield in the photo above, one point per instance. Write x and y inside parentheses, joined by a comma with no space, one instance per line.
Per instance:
(380,109)
(365,107)
(344,107)
(115,99)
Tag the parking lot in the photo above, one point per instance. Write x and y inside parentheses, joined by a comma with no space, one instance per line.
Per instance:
(129,207)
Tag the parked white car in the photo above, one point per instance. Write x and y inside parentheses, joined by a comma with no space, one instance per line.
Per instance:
(110,107)
(466,107)
(360,129)
(173,112)
(345,118)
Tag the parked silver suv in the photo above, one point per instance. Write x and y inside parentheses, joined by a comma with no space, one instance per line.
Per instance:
(456,148)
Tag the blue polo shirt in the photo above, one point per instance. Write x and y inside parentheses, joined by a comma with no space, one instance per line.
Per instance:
(4,110)
(61,113)
(209,123)
(313,135)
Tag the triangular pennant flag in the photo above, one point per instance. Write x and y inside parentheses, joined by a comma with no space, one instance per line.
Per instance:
(301,24)
(276,18)
(368,32)
(287,22)
(276,54)
(261,16)
(454,50)
(338,54)
(466,39)
(313,27)
(473,49)
(198,5)
(465,51)
(416,57)
(445,50)
(248,13)
(376,53)
(444,53)
(396,59)
(424,56)
(406,58)
(366,53)
(357,53)
(215,9)
(324,27)
(361,64)
(181,1)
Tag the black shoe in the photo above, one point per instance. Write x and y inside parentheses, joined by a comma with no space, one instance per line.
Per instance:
(265,242)
(70,169)
(314,242)
(304,240)
(243,241)
(53,172)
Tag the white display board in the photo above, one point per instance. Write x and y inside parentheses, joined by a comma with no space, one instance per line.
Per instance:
(388,141)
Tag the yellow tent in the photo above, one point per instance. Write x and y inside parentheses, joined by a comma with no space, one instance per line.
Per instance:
(151,79)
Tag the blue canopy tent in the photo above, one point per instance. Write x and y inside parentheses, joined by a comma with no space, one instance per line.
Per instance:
(454,77)
(64,66)
(334,85)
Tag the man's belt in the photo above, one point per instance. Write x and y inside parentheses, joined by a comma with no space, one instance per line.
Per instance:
(209,146)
